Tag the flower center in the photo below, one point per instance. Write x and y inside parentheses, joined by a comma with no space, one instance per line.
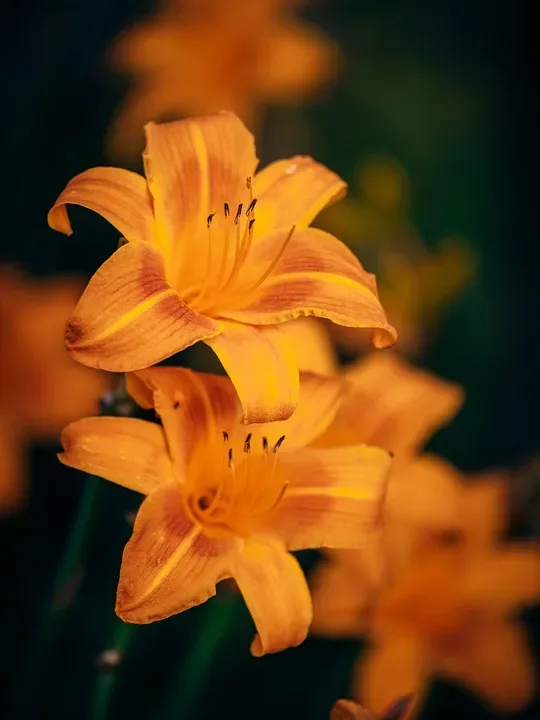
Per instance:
(229,241)
(243,494)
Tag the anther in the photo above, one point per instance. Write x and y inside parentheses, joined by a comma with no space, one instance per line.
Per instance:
(278,444)
(251,206)
(230,457)
(176,405)
(250,226)
(238,213)
(248,182)
(247,444)
(209,219)
(226,209)
(265,444)
(225,436)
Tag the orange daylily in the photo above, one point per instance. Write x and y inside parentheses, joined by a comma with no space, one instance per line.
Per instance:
(196,58)
(226,500)
(212,256)
(41,387)
(452,612)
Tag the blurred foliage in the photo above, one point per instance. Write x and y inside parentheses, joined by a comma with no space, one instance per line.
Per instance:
(439,87)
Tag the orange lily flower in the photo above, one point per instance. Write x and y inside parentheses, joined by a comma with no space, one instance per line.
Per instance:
(452,613)
(228,501)
(196,58)
(41,387)
(212,256)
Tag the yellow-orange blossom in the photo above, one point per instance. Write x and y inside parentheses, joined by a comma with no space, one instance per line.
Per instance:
(226,500)
(219,254)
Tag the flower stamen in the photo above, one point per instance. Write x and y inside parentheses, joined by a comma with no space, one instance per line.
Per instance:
(274,262)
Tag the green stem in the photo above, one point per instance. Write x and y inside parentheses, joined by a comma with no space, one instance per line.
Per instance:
(65,585)
(216,623)
(106,681)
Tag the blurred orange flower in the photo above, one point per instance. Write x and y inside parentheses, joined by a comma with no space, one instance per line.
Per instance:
(196,58)
(397,407)
(41,387)
(452,613)
(226,500)
(416,284)
(215,257)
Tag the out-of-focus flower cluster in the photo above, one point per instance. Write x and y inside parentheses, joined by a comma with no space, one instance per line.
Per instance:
(202,56)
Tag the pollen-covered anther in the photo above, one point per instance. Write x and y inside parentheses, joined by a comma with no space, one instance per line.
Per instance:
(238,213)
(225,436)
(209,219)
(247,443)
(278,444)
(226,209)
(265,444)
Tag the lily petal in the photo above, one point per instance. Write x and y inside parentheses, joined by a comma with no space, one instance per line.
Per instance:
(333,497)
(393,668)
(198,407)
(485,511)
(276,593)
(312,346)
(126,451)
(426,491)
(168,565)
(262,367)
(393,405)
(496,662)
(506,580)
(195,408)
(129,317)
(318,404)
(193,167)
(341,600)
(315,275)
(311,185)
(120,196)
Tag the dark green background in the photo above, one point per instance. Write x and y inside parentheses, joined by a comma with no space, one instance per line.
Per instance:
(446,88)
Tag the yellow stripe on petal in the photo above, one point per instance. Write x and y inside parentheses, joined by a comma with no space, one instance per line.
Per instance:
(168,565)
(315,275)
(276,593)
(262,367)
(120,196)
(333,498)
(129,318)
(132,453)
(194,167)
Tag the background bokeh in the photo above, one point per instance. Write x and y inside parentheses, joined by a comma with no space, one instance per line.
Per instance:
(442,88)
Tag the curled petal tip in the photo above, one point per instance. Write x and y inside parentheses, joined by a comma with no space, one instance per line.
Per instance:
(385,337)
